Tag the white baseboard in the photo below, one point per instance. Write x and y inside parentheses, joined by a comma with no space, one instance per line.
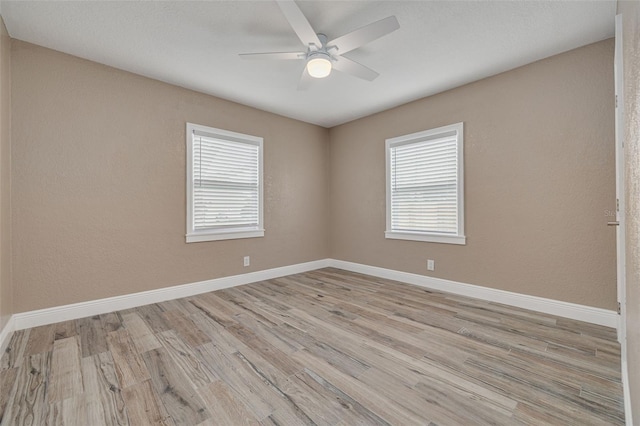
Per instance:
(574,311)
(95,307)
(6,333)
(101,306)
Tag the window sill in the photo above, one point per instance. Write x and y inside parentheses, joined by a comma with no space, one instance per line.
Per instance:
(233,234)
(431,238)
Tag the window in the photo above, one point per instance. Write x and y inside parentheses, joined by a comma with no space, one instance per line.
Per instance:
(224,185)
(425,193)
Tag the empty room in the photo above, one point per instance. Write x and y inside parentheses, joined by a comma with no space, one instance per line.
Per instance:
(319,212)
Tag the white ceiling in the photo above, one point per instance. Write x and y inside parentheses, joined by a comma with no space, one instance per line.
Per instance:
(440,45)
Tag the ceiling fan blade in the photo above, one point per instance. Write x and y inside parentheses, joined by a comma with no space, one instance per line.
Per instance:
(349,66)
(305,80)
(299,23)
(273,55)
(364,35)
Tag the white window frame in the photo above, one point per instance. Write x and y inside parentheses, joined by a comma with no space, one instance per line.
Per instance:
(433,134)
(226,233)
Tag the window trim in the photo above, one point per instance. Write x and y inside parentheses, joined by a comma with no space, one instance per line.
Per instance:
(433,237)
(193,236)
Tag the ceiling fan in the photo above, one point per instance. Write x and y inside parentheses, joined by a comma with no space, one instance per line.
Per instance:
(323,55)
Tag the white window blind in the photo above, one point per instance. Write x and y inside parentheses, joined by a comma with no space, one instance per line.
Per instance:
(225,185)
(424,186)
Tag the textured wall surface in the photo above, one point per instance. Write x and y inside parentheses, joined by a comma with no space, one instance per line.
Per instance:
(99,183)
(6,294)
(539,177)
(631,38)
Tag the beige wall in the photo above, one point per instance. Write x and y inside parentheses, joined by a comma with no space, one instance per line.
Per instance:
(98,173)
(99,186)
(539,175)
(631,53)
(6,295)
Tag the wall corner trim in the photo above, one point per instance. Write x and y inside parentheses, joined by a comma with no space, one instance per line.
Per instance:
(6,333)
(574,311)
(628,412)
(102,306)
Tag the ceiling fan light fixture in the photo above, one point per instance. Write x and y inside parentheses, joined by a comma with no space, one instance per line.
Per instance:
(319,66)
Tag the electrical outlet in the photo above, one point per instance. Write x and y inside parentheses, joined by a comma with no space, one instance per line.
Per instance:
(431,265)
(247,261)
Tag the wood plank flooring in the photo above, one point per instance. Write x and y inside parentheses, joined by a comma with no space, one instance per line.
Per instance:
(327,347)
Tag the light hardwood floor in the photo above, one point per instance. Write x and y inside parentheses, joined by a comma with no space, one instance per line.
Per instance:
(324,347)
